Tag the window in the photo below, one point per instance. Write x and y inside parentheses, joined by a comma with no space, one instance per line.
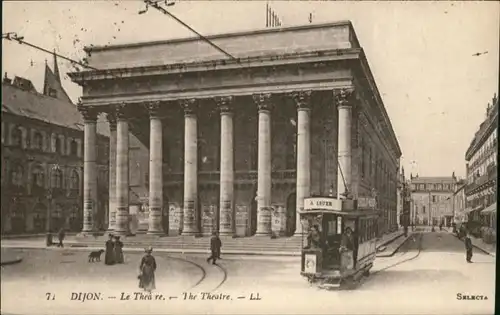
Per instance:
(17,137)
(38,141)
(75,180)
(58,146)
(17,175)
(362,159)
(423,209)
(57,179)
(433,198)
(38,177)
(73,148)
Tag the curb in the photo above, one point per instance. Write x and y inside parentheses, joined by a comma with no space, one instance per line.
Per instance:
(11,262)
(477,247)
(162,250)
(389,241)
(397,248)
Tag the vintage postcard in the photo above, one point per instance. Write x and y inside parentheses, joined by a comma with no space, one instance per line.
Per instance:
(249,157)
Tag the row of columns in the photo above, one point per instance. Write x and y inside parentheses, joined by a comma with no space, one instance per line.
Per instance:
(119,177)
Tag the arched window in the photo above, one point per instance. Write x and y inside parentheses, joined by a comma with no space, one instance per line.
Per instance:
(57,178)
(17,175)
(17,137)
(73,148)
(38,177)
(75,180)
(38,141)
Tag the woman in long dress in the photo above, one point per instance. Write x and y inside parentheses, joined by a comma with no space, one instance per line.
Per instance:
(109,258)
(118,250)
(147,271)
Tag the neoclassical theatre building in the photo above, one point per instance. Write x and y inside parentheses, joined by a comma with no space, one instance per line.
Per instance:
(236,143)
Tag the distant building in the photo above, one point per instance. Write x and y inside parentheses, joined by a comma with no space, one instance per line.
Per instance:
(431,198)
(481,158)
(42,165)
(459,207)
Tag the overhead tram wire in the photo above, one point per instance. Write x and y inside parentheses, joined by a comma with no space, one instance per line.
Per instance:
(155,5)
(12,36)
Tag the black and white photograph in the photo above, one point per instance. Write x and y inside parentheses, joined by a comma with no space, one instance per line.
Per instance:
(249,157)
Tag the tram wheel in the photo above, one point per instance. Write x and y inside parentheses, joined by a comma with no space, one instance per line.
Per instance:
(366,273)
(349,283)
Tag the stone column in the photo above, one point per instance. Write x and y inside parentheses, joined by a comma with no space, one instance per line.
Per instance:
(111,116)
(264,165)
(190,167)
(122,172)
(303,100)
(226,166)
(155,170)
(89,167)
(344,99)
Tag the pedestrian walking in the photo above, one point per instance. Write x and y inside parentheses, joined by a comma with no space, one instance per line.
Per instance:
(147,270)
(109,258)
(118,250)
(61,236)
(468,247)
(215,246)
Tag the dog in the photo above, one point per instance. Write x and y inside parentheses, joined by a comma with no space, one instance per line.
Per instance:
(95,255)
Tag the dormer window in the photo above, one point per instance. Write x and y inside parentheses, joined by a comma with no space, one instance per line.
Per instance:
(52,92)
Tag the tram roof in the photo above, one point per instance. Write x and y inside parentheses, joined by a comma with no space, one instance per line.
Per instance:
(354,213)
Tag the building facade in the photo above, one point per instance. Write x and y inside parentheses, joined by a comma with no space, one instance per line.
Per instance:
(42,166)
(404,202)
(431,199)
(236,144)
(481,164)
(459,206)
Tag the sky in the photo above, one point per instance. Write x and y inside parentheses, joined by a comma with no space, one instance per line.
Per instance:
(421,54)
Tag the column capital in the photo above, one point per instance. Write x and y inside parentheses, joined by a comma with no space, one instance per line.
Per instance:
(89,113)
(154,109)
(263,101)
(189,106)
(345,97)
(225,104)
(302,99)
(111,118)
(121,111)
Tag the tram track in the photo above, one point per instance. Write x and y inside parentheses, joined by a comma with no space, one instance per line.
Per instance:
(203,270)
(420,237)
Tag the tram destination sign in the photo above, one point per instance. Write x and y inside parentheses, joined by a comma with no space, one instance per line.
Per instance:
(322,203)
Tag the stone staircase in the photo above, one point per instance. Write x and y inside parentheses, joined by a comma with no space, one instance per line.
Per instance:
(245,244)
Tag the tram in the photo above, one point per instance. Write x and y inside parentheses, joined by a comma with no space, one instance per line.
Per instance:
(340,247)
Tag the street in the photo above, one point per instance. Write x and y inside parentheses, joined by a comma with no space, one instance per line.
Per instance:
(409,282)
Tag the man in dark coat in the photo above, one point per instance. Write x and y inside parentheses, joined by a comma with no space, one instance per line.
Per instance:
(215,246)
(468,247)
(61,236)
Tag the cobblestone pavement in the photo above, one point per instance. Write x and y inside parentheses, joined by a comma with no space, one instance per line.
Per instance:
(410,282)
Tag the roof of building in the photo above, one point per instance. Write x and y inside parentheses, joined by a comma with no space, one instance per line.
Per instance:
(423,180)
(484,127)
(53,106)
(268,41)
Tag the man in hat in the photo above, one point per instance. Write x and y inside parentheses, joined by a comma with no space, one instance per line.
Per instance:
(468,247)
(215,246)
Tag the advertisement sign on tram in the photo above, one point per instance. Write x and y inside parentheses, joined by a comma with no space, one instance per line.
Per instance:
(322,203)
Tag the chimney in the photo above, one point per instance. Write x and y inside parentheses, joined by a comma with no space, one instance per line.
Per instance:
(7,80)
